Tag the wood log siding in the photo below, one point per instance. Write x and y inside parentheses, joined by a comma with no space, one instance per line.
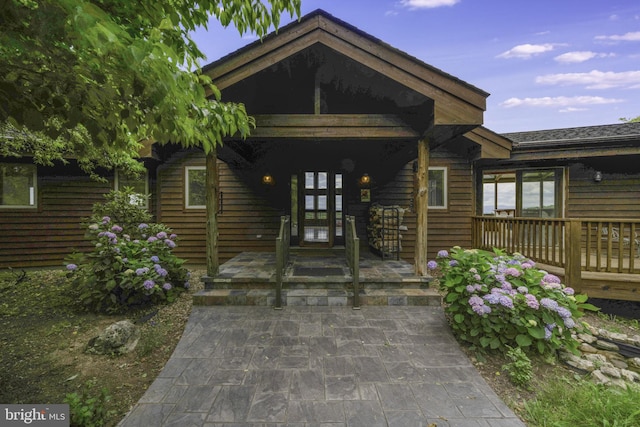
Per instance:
(616,196)
(245,215)
(447,227)
(44,236)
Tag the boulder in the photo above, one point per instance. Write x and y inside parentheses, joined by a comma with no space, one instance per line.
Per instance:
(118,338)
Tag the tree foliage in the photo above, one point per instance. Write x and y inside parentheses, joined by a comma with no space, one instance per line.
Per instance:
(93,78)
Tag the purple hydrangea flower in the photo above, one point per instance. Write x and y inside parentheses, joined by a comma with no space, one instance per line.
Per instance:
(432,265)
(166,286)
(71,267)
(173,236)
(478,309)
(443,254)
(569,291)
(125,260)
(161,235)
(549,303)
(187,285)
(477,277)
(569,323)
(155,259)
(170,243)
(453,263)
(152,239)
(492,298)
(526,265)
(532,301)
(162,272)
(142,271)
(563,312)
(149,284)
(106,219)
(471,289)
(143,226)
(523,289)
(476,300)
(514,272)
(505,301)
(550,278)
(116,229)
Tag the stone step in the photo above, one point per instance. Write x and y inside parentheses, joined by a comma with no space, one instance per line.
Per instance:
(298,282)
(316,297)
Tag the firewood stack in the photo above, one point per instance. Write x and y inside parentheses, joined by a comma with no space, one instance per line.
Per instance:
(385,225)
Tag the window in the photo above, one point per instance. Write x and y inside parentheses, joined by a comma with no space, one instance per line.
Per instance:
(18,185)
(195,187)
(437,188)
(139,184)
(529,193)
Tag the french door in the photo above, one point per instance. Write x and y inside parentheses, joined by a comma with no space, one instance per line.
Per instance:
(320,208)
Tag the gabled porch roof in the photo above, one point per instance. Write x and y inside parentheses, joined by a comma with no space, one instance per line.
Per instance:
(454,107)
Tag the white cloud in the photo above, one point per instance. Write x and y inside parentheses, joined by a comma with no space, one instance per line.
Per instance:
(632,37)
(390,13)
(572,110)
(558,101)
(594,79)
(526,51)
(427,4)
(580,56)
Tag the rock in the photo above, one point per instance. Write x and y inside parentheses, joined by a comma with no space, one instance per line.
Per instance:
(118,338)
(600,378)
(581,364)
(630,376)
(635,340)
(587,338)
(620,364)
(606,345)
(635,362)
(587,348)
(611,372)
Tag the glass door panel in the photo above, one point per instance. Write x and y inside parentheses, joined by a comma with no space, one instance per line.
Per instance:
(317,223)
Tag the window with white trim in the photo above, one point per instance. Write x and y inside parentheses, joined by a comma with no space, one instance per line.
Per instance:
(195,187)
(437,188)
(139,184)
(18,185)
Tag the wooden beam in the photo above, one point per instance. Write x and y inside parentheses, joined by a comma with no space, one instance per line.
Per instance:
(421,207)
(212,186)
(351,126)
(574,153)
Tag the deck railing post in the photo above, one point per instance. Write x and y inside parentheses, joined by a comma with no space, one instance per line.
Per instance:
(573,251)
(282,258)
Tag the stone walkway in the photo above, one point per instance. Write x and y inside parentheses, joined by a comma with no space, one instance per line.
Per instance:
(319,366)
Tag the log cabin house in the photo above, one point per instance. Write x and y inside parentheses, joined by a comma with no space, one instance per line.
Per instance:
(344,122)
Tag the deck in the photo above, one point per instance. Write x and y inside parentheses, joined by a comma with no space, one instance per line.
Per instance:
(316,277)
(599,257)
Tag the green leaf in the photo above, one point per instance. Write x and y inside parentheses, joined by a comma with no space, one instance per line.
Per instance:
(459,318)
(523,340)
(536,332)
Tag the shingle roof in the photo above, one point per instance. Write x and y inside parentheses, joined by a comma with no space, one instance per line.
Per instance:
(577,135)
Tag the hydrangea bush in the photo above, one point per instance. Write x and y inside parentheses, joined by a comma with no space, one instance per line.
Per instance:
(130,265)
(496,301)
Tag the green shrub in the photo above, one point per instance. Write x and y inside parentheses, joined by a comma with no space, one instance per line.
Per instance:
(519,368)
(129,267)
(88,409)
(495,300)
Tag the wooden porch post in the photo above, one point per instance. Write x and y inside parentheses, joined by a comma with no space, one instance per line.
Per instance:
(211,185)
(421,205)
(573,266)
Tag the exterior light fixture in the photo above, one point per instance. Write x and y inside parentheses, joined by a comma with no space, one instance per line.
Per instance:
(597,177)
(365,179)
(267,179)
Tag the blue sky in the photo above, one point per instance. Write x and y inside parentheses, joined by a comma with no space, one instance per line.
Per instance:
(546,63)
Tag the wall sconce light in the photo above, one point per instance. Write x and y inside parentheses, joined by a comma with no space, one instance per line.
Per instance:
(597,177)
(365,179)
(267,179)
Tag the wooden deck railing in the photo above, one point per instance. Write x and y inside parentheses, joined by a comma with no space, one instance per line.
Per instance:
(352,252)
(282,256)
(575,244)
